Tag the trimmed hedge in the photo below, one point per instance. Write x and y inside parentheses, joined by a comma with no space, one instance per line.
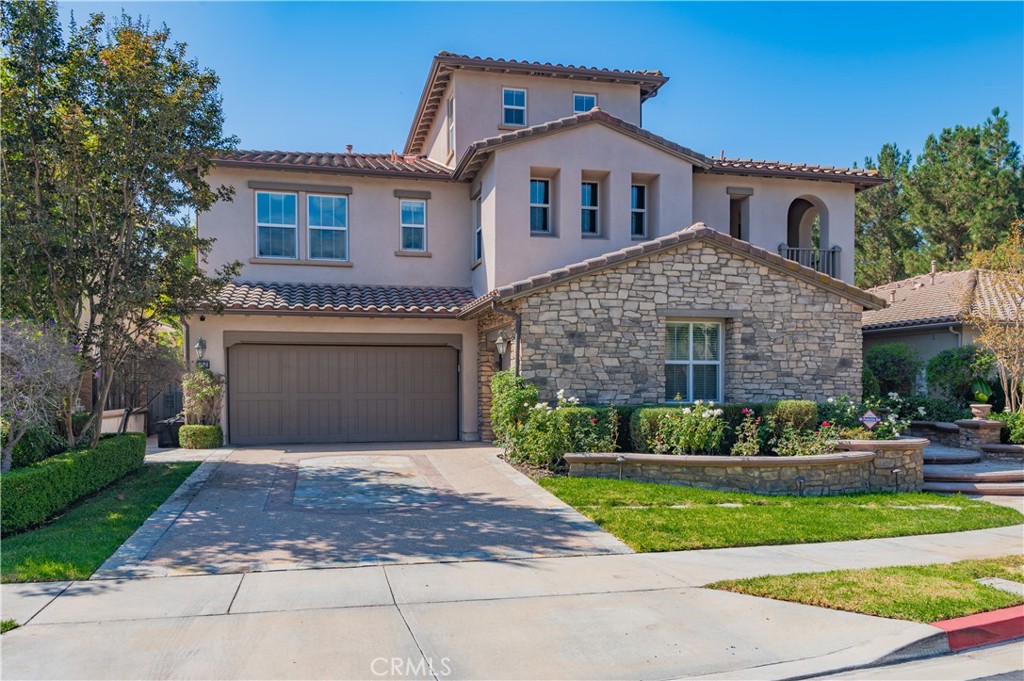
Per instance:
(200,437)
(1013,426)
(31,496)
(35,445)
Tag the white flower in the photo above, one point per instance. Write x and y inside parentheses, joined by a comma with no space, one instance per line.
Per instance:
(574,400)
(686,410)
(711,403)
(718,412)
(560,394)
(830,400)
(705,414)
(921,411)
(540,405)
(696,402)
(894,396)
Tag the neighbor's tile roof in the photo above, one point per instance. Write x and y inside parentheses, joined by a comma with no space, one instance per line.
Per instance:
(445,63)
(695,232)
(283,297)
(748,166)
(951,295)
(360,164)
(478,152)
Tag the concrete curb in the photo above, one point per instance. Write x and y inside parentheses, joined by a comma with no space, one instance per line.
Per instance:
(984,628)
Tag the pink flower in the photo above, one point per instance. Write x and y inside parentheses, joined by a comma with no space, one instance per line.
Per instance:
(826,424)
(746,412)
(593,419)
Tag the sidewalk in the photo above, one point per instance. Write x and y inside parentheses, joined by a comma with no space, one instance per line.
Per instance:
(610,616)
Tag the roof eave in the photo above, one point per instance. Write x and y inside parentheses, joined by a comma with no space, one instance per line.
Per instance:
(860,182)
(365,172)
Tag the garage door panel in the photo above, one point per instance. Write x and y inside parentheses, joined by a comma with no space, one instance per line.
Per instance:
(280,394)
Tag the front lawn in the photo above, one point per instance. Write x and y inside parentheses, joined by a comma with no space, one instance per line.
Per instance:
(653,517)
(74,545)
(920,593)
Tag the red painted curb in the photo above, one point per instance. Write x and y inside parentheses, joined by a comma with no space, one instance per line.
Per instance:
(984,628)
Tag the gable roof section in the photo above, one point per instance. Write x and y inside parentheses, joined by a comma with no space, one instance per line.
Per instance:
(279,298)
(693,234)
(385,165)
(922,301)
(478,152)
(861,177)
(446,63)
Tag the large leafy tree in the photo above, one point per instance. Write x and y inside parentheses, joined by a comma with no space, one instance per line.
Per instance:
(966,188)
(107,138)
(885,236)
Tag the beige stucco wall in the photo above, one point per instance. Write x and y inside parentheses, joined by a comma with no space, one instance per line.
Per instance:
(478,106)
(601,337)
(769,210)
(374,231)
(214,327)
(594,148)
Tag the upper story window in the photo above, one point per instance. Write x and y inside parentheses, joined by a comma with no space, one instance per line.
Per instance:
(414,225)
(638,210)
(513,106)
(588,208)
(693,361)
(276,225)
(582,103)
(327,224)
(540,206)
(478,234)
(451,125)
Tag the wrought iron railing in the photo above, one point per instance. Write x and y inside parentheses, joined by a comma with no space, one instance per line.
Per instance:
(824,260)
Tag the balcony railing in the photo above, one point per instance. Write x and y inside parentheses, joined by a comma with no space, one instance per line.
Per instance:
(824,260)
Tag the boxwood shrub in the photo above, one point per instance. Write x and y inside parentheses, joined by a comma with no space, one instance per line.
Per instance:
(30,496)
(200,437)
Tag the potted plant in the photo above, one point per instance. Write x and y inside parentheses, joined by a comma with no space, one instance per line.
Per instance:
(982,393)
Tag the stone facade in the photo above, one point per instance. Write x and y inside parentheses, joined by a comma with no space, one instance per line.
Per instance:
(601,337)
(893,466)
(488,327)
(964,434)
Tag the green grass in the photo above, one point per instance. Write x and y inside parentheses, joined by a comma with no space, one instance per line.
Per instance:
(652,517)
(920,593)
(74,545)
(7,625)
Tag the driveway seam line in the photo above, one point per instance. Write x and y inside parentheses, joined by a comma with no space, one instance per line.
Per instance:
(238,587)
(408,628)
(48,603)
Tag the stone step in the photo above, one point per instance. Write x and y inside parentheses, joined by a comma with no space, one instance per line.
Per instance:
(945,473)
(948,455)
(1009,451)
(1006,489)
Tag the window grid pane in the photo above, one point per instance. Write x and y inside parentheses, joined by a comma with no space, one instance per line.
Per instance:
(412,238)
(276,242)
(328,244)
(693,361)
(676,383)
(539,219)
(328,211)
(638,224)
(583,103)
(275,209)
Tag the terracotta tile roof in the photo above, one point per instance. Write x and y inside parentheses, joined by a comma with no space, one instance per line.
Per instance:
(389,165)
(748,166)
(337,298)
(445,63)
(697,232)
(921,300)
(478,152)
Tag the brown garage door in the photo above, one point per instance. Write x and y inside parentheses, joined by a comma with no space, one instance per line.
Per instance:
(325,393)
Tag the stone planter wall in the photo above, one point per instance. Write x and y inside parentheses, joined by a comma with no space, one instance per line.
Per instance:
(964,434)
(893,466)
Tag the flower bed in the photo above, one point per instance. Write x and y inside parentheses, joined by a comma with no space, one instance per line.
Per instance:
(864,466)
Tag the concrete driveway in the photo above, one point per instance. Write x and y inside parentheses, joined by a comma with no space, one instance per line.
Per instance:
(251,510)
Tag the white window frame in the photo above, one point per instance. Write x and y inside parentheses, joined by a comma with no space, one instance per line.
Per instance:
(294,227)
(310,228)
(690,362)
(478,232)
(633,210)
(595,209)
(582,94)
(403,225)
(547,206)
(513,107)
(451,125)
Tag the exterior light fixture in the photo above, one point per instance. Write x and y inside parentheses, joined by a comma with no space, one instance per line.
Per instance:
(502,344)
(200,347)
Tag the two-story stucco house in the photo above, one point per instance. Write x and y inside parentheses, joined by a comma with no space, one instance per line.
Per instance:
(531,222)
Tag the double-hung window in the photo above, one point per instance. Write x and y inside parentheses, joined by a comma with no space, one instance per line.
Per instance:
(540,206)
(513,106)
(327,221)
(276,225)
(693,361)
(478,234)
(451,125)
(582,103)
(638,211)
(414,225)
(588,208)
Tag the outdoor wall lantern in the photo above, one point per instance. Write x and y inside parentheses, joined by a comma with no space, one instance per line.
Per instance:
(501,343)
(200,352)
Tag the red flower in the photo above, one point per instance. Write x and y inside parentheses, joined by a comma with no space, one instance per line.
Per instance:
(746,412)
(826,424)
(593,419)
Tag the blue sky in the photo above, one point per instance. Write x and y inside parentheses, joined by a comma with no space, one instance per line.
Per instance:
(812,82)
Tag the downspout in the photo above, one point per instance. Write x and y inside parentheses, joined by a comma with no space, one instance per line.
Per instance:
(959,336)
(185,340)
(518,332)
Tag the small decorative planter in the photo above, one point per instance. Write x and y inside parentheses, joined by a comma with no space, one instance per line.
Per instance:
(981,411)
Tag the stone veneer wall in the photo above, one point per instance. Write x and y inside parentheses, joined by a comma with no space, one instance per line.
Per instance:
(847,472)
(963,434)
(486,324)
(601,337)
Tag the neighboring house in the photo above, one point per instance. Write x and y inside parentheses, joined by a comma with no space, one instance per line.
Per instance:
(528,213)
(926,312)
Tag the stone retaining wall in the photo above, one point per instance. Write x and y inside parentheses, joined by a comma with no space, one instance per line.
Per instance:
(964,434)
(887,466)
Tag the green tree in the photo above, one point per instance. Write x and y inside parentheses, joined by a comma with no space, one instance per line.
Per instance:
(107,137)
(884,236)
(966,189)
